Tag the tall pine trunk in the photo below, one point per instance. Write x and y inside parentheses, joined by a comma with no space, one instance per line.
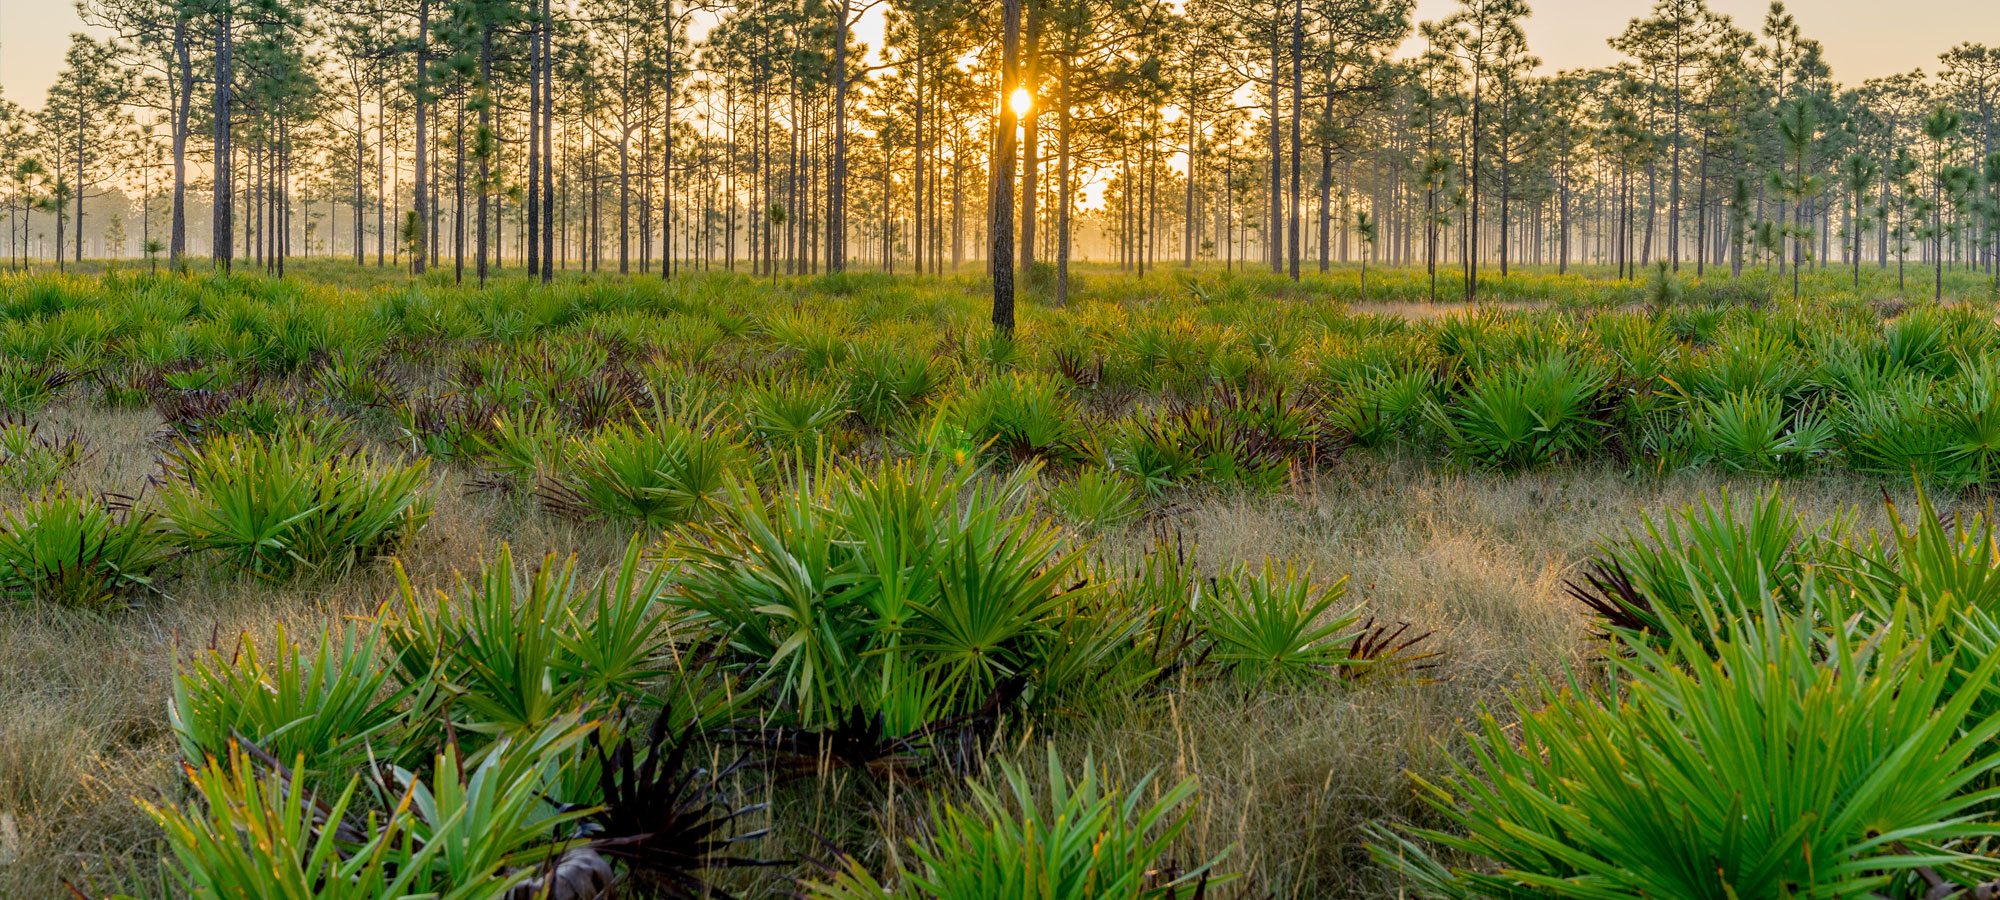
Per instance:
(1066,200)
(547,138)
(1002,228)
(1298,124)
(183,109)
(420,94)
(1274,234)
(1031,144)
(223,225)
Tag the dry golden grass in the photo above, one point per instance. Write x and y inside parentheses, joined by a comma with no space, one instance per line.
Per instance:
(1423,311)
(1289,779)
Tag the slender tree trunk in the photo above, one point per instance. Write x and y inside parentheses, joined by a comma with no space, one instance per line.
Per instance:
(1471,250)
(1701,211)
(81,124)
(1187,213)
(284,198)
(547,139)
(534,197)
(1002,230)
(488,144)
(183,109)
(1674,200)
(458,194)
(1326,209)
(836,187)
(792,153)
(625,196)
(667,165)
(1298,120)
(223,227)
(957,204)
(1937,226)
(1562,219)
(420,96)
(1152,244)
(1854,230)
(1031,168)
(919,147)
(1506,236)
(1067,199)
(1274,235)
(765,244)
(360,171)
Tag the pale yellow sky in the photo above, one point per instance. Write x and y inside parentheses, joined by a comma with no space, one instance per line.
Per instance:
(1863,38)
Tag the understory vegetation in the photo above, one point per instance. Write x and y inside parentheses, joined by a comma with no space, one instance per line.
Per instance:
(1196,586)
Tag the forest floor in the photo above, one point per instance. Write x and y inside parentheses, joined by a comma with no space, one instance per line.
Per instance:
(1289,778)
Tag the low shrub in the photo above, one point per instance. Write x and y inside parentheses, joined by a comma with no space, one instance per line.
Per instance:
(290,506)
(1278,627)
(30,459)
(1199,445)
(327,710)
(885,382)
(514,650)
(1524,414)
(1700,563)
(28,385)
(1081,839)
(521,449)
(479,826)
(1375,408)
(1022,415)
(1753,432)
(77,552)
(1765,757)
(796,416)
(656,471)
(902,593)
(1096,500)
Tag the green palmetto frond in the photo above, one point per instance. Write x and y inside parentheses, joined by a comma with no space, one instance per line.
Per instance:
(914,591)
(326,708)
(515,650)
(1277,626)
(1079,839)
(1524,415)
(291,505)
(1765,758)
(657,471)
(77,552)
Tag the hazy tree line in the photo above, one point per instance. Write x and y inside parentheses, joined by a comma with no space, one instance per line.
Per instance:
(651,136)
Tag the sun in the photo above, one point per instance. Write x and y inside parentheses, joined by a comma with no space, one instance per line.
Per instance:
(1021,101)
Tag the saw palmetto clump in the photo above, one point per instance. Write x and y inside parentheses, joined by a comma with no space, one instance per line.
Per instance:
(1097,500)
(79,552)
(1078,838)
(517,647)
(28,385)
(291,505)
(31,459)
(655,471)
(899,593)
(1787,758)
(328,708)
(1704,561)
(1525,414)
(1276,627)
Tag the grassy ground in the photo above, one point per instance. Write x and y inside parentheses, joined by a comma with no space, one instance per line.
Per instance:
(1289,779)
(1580,281)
